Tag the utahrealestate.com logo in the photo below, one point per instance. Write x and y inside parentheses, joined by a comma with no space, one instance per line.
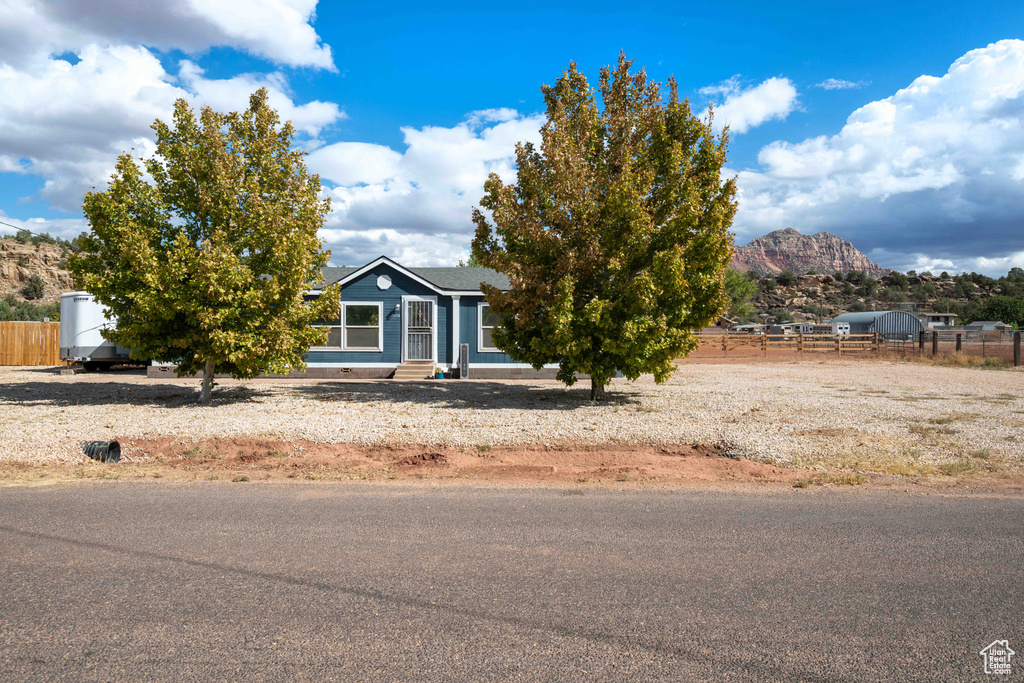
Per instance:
(997,657)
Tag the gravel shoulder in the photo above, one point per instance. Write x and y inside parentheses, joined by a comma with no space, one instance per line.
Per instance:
(892,418)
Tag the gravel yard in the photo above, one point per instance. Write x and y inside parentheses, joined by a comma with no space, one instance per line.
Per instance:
(835,413)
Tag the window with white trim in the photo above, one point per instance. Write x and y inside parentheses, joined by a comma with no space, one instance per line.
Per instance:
(362,329)
(486,322)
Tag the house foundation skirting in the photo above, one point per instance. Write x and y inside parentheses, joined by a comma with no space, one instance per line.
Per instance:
(310,373)
(379,372)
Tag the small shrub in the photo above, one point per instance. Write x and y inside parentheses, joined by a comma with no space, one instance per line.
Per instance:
(786,278)
(34,288)
(241,477)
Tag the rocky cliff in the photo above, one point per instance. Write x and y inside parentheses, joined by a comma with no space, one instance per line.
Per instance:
(789,250)
(19,261)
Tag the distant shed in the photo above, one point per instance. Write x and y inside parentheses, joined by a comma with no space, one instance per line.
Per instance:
(890,325)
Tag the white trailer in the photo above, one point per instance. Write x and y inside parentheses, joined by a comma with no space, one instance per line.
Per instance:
(81,319)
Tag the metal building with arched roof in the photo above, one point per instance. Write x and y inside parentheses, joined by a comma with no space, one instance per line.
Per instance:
(890,325)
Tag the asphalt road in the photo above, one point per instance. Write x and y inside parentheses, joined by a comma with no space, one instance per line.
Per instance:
(385,582)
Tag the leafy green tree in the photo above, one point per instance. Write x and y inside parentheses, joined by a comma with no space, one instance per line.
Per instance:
(207,265)
(615,235)
(1004,308)
(740,289)
(473,262)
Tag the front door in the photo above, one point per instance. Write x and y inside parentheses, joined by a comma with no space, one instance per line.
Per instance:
(419,330)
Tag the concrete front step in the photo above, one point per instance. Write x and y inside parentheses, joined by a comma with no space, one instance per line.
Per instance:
(413,371)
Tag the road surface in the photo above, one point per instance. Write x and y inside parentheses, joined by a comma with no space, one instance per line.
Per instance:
(122,581)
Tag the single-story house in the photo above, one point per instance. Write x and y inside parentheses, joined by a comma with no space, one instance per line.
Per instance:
(987,326)
(411,321)
(933,320)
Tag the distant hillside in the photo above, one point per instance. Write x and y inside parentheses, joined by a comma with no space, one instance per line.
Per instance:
(21,259)
(811,297)
(789,250)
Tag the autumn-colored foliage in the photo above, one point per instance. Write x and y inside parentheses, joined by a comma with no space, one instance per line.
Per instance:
(615,235)
(205,263)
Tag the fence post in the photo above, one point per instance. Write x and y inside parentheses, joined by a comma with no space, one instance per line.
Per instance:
(800,343)
(920,341)
(725,345)
(764,344)
(839,345)
(1016,349)
(959,342)
(877,346)
(935,343)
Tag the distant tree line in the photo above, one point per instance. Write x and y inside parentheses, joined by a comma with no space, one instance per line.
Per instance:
(12,308)
(66,246)
(971,296)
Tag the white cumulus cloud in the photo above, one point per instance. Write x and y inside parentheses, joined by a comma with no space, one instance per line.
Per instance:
(277,30)
(416,205)
(67,123)
(742,109)
(934,169)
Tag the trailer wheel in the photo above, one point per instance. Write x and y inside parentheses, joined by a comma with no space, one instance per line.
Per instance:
(91,366)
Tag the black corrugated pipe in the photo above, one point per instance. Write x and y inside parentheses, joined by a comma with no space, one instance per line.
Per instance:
(104,451)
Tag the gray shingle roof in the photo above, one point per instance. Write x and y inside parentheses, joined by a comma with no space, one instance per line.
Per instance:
(452,278)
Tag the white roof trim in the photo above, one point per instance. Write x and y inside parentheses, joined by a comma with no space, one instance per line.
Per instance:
(404,271)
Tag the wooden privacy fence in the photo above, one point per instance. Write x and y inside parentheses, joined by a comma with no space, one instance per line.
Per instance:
(796,343)
(29,343)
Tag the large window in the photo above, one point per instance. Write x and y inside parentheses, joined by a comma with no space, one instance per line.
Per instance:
(362,328)
(488,321)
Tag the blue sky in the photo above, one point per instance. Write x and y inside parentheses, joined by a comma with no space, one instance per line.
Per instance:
(918,173)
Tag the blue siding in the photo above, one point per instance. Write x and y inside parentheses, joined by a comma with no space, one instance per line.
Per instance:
(469,333)
(365,288)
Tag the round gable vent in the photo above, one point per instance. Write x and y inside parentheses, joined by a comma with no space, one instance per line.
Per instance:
(383,282)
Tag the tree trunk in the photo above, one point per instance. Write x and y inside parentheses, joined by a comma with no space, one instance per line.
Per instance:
(596,390)
(207,382)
